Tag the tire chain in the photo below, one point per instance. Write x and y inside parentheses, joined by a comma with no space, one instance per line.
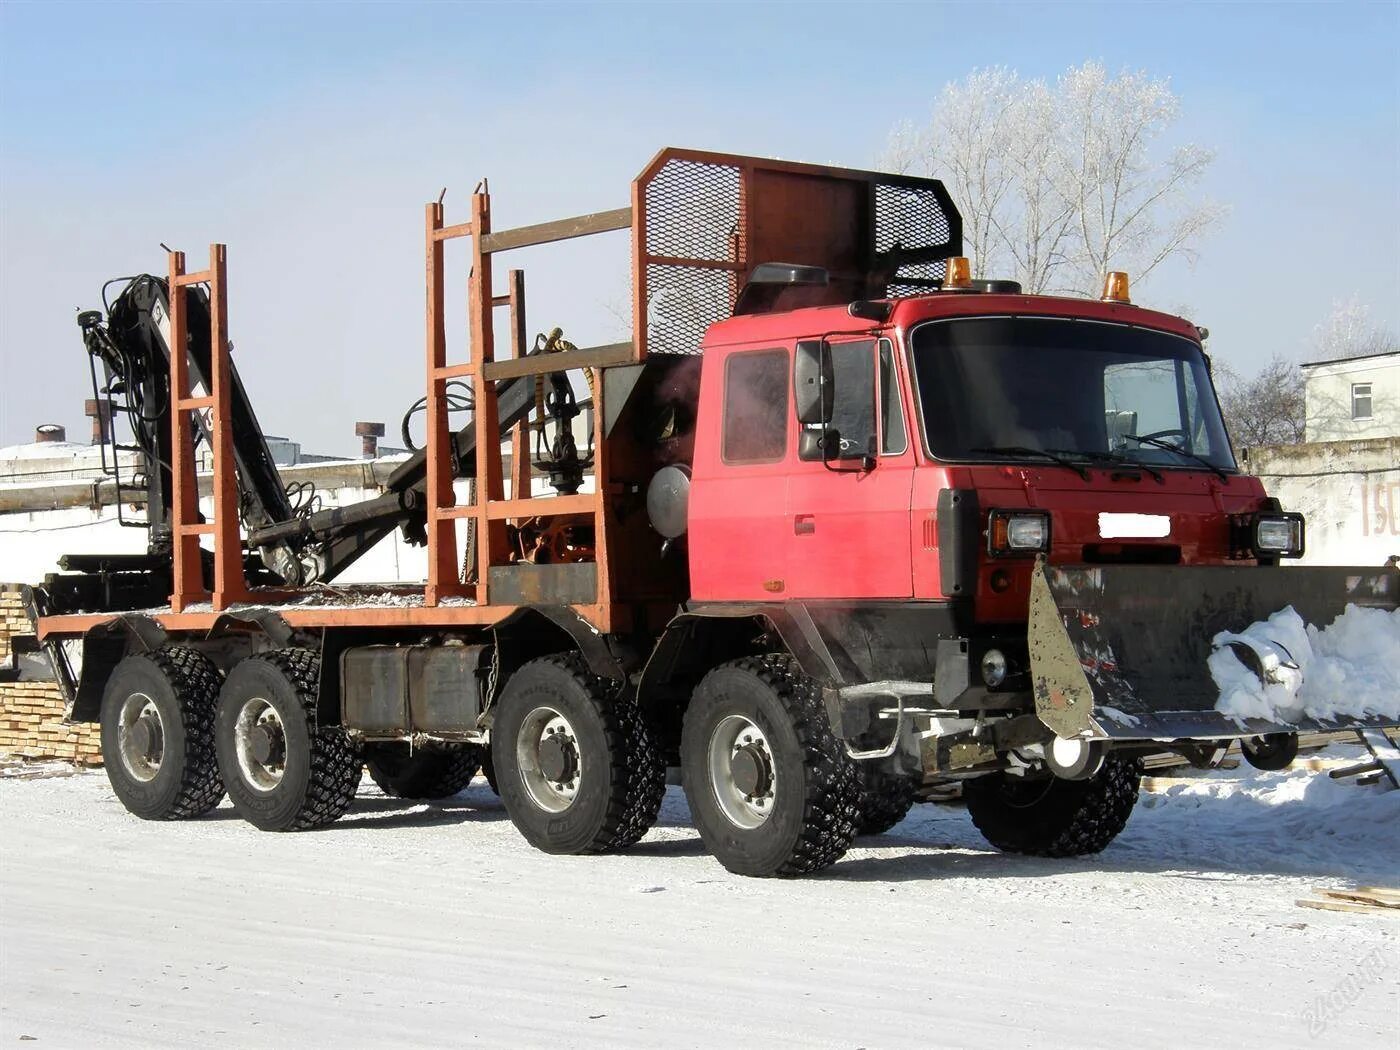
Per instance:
(334,764)
(639,782)
(885,800)
(195,681)
(832,806)
(459,767)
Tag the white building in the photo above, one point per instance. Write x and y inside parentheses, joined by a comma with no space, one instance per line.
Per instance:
(1353,399)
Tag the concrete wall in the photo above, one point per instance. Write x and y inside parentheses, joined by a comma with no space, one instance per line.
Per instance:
(1328,395)
(1349,492)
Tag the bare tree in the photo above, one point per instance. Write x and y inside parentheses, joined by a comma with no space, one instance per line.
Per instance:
(968,141)
(1349,331)
(1062,182)
(1265,409)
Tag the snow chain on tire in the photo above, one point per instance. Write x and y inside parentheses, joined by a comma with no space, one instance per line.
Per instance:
(885,800)
(1073,818)
(335,767)
(195,682)
(642,777)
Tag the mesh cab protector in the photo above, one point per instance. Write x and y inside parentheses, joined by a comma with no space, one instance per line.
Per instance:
(703,221)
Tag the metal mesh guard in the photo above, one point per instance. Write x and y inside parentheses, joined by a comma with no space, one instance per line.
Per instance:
(692,211)
(910,217)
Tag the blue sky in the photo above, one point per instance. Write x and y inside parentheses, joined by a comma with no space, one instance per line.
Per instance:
(308,137)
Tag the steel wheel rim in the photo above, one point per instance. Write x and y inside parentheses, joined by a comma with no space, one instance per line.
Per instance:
(737,736)
(141,737)
(260,743)
(544,727)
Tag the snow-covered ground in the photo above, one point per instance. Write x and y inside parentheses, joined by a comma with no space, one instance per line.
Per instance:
(435,925)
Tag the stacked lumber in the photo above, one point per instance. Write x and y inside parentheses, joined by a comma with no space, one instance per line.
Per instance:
(31,713)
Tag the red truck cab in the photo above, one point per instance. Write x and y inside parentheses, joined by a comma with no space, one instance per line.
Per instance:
(1100,416)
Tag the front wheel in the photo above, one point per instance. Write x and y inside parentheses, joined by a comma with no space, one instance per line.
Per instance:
(1049,817)
(573,760)
(771,789)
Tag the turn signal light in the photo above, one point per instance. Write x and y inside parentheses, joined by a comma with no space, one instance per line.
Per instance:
(959,273)
(1115,287)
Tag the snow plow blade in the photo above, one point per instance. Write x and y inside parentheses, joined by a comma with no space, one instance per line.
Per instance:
(1120,652)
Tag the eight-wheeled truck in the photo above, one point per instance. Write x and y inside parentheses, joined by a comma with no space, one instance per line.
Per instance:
(849,525)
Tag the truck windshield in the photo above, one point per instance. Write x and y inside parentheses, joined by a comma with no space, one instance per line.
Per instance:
(1020,387)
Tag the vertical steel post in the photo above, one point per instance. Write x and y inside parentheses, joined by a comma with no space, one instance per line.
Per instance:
(520,434)
(490,535)
(187,573)
(442,531)
(230,585)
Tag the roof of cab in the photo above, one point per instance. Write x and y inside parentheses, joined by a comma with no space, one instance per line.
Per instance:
(818,321)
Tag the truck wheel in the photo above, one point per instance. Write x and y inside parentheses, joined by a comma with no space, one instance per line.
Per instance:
(422,774)
(158,733)
(1050,817)
(283,771)
(771,789)
(574,762)
(885,800)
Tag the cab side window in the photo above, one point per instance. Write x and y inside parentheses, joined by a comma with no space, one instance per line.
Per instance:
(852,426)
(755,407)
(893,441)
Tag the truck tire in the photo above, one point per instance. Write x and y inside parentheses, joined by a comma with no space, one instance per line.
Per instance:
(284,772)
(575,764)
(421,773)
(1051,817)
(771,789)
(157,726)
(885,800)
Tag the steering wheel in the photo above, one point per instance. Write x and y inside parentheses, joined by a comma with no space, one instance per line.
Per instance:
(1158,435)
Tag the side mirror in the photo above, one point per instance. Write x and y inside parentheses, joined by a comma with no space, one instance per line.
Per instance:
(814,390)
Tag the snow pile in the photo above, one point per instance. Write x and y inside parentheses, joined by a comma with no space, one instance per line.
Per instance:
(1348,670)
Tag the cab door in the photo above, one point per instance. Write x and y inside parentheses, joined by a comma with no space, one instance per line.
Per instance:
(738,527)
(848,522)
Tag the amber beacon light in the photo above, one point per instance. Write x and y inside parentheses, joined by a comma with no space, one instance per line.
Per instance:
(1115,287)
(959,273)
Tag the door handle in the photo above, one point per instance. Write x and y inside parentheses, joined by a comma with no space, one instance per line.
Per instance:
(804,524)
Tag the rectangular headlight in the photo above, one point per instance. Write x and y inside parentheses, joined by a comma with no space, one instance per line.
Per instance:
(1278,535)
(1018,532)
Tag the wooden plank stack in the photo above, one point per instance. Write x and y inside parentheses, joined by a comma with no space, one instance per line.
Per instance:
(31,713)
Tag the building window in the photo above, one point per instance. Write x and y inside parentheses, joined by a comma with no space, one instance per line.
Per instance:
(1360,400)
(755,407)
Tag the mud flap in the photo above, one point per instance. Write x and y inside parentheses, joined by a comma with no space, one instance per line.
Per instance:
(1120,651)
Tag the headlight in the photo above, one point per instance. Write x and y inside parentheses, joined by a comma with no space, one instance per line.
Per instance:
(1016,532)
(1278,535)
(993,668)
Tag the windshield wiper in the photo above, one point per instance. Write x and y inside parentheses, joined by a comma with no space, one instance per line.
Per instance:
(1169,447)
(1026,450)
(1113,457)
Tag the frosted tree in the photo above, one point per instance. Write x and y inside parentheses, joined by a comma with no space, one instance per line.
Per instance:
(1060,183)
(1349,331)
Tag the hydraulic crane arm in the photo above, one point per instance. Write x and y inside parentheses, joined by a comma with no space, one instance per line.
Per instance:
(131,349)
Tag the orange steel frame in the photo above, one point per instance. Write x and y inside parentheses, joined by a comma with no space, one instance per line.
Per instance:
(230,584)
(446,585)
(490,509)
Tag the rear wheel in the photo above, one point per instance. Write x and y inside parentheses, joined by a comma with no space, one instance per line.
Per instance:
(573,760)
(1050,817)
(885,800)
(284,772)
(771,789)
(158,733)
(422,774)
